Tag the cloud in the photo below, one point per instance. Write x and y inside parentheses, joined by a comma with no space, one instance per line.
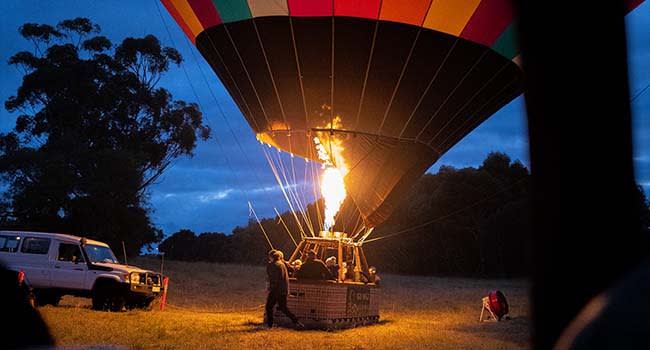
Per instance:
(214,196)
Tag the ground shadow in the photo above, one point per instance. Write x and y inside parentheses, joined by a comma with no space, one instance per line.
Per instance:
(71,306)
(509,329)
(492,325)
(253,327)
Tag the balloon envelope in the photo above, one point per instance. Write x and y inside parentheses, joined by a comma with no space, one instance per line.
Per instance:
(392,84)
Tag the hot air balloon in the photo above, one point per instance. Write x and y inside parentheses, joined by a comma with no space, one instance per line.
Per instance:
(380,90)
(377,89)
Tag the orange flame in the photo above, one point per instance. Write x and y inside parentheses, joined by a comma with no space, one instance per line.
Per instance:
(332,186)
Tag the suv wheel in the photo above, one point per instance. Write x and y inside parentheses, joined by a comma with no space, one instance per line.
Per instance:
(107,295)
(140,302)
(117,303)
(99,302)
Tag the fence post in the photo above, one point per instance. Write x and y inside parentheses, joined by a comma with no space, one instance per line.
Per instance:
(163,298)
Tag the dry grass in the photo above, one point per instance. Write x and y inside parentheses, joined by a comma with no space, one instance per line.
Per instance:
(213,306)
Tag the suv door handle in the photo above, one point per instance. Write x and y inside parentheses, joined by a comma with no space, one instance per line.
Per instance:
(57,266)
(79,269)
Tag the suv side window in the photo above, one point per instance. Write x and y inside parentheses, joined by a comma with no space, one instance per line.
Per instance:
(9,244)
(35,245)
(70,252)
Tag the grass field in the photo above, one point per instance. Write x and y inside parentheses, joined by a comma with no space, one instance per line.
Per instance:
(214,306)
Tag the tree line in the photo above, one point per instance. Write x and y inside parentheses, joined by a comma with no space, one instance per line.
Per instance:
(463,222)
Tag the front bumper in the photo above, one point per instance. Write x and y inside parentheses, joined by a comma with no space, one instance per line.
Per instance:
(145,290)
(146,284)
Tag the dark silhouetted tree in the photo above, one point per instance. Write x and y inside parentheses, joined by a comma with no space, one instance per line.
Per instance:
(180,246)
(94,132)
(461,222)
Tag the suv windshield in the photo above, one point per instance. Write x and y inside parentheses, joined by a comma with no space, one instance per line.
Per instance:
(98,253)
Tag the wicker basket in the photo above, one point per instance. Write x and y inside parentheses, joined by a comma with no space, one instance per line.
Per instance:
(326,304)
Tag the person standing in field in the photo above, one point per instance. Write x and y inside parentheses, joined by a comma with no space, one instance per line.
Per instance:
(278,276)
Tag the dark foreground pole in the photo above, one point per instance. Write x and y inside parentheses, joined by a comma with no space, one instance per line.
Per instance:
(586,226)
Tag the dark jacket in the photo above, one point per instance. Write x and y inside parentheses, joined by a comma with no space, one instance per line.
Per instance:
(278,277)
(315,270)
(334,271)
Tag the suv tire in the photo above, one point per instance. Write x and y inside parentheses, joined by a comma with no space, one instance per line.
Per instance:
(99,303)
(140,302)
(108,295)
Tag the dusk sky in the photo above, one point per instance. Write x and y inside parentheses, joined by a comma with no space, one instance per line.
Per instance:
(204,193)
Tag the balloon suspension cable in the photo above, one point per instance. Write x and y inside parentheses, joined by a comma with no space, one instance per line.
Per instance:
(469,101)
(223,117)
(295,55)
(250,208)
(449,96)
(304,191)
(475,123)
(284,192)
(365,235)
(365,78)
(426,90)
(427,223)
(234,136)
(248,76)
(357,222)
(292,190)
(300,194)
(357,231)
(285,226)
(315,180)
(268,68)
(399,80)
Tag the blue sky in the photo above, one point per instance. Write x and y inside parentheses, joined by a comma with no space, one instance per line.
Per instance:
(209,192)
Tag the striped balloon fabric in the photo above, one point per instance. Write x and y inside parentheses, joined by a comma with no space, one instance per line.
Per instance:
(393,84)
(485,22)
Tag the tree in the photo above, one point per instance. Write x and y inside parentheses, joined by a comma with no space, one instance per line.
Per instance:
(180,246)
(460,221)
(94,132)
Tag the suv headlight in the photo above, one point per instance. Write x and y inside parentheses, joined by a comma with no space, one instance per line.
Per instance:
(135,277)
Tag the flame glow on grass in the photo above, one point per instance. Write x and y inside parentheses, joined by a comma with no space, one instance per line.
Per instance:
(332,186)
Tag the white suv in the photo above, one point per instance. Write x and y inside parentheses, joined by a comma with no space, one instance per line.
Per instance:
(58,264)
